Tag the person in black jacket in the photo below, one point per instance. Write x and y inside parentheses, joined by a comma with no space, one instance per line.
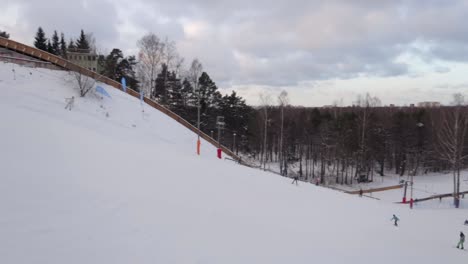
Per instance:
(461,241)
(295,180)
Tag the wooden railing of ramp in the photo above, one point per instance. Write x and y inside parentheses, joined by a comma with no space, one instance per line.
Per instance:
(65,64)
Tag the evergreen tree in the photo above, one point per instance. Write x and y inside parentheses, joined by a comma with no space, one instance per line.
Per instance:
(55,43)
(71,44)
(111,64)
(4,34)
(236,113)
(101,61)
(187,94)
(63,46)
(160,90)
(82,42)
(49,48)
(168,88)
(40,41)
(174,90)
(127,68)
(115,66)
(209,94)
(210,100)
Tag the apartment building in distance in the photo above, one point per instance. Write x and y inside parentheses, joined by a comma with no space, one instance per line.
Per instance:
(429,104)
(84,58)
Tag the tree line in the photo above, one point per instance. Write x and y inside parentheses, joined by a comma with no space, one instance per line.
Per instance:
(57,45)
(339,145)
(343,145)
(4,34)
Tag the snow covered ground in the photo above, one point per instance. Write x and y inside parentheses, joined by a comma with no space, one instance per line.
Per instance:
(80,187)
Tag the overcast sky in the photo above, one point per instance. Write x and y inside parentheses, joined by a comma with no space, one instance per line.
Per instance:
(318,51)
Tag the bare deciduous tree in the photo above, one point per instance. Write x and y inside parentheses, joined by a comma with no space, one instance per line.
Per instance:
(283,101)
(265,102)
(170,55)
(194,73)
(366,103)
(84,83)
(451,139)
(150,56)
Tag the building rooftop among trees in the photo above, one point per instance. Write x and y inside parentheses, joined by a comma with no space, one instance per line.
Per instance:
(84,57)
(429,104)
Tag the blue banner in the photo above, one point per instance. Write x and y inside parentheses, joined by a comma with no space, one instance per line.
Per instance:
(124,84)
(102,91)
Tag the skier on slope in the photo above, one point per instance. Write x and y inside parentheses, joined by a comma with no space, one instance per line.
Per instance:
(461,241)
(69,102)
(295,179)
(396,219)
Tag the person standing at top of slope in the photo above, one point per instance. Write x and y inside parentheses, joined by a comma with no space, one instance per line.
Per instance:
(295,180)
(396,219)
(461,241)
(69,102)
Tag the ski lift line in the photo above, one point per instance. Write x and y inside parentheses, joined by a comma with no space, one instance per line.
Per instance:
(381,189)
(439,196)
(63,63)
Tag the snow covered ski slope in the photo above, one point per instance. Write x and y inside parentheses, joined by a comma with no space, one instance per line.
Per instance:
(108,183)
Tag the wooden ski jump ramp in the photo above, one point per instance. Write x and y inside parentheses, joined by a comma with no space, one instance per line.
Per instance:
(65,64)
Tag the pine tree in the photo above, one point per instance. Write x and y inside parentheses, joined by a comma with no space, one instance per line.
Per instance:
(63,46)
(209,94)
(71,45)
(40,40)
(127,67)
(49,49)
(82,42)
(236,116)
(55,43)
(115,66)
(160,90)
(111,64)
(210,99)
(187,94)
(4,34)
(101,64)
(174,91)
(188,102)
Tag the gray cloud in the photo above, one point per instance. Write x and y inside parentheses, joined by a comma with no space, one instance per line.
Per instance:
(273,43)
(70,17)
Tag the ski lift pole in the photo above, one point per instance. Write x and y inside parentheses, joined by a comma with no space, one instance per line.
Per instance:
(220,125)
(411,192)
(404,193)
